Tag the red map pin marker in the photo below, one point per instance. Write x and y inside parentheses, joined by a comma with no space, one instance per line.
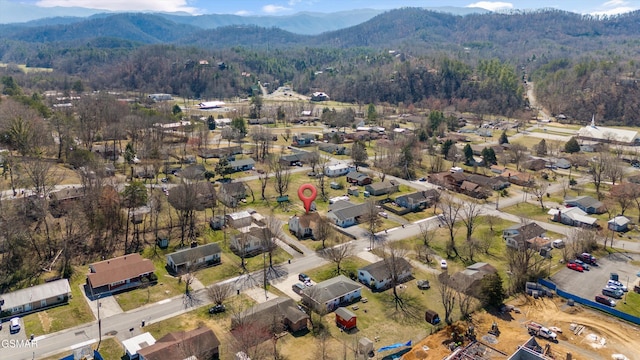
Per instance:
(307,200)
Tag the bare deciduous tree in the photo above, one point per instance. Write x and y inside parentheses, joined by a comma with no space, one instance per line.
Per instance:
(218,293)
(337,254)
(469,215)
(448,296)
(324,231)
(372,220)
(539,190)
(427,235)
(450,212)
(281,176)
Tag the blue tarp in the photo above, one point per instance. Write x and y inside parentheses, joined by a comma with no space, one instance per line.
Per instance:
(394,346)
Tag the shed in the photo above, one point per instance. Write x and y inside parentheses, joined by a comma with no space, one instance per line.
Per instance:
(432,317)
(136,343)
(365,346)
(619,223)
(345,319)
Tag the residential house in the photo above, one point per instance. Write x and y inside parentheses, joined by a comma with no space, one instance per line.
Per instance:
(319,96)
(242,165)
(239,219)
(61,201)
(519,178)
(199,256)
(561,164)
(261,121)
(296,159)
(474,190)
(619,223)
(536,164)
(217,222)
(330,294)
(493,183)
(249,243)
(118,274)
(201,343)
(144,171)
(333,148)
(345,213)
(381,188)
(261,318)
(230,194)
(303,226)
(224,151)
(469,280)
(338,169)
(586,203)
(335,137)
(107,151)
(358,178)
(35,298)
(303,139)
(573,216)
(137,343)
(345,319)
(516,236)
(539,243)
(418,200)
(378,276)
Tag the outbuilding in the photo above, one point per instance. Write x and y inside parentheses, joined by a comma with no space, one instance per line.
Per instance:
(345,319)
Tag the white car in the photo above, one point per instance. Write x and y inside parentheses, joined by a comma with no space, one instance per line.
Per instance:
(383,214)
(617,284)
(443,264)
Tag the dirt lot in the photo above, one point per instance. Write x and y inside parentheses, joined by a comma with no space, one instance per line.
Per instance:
(618,337)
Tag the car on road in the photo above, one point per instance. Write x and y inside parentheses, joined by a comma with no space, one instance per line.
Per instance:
(422,179)
(383,214)
(574,266)
(14,326)
(581,263)
(423,284)
(605,300)
(588,258)
(617,284)
(443,264)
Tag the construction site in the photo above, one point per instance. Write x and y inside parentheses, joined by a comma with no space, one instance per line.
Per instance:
(582,333)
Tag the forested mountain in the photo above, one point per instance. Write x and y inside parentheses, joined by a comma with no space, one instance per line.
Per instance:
(476,62)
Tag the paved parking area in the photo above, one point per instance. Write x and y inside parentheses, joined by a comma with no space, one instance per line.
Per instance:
(5,334)
(285,285)
(588,284)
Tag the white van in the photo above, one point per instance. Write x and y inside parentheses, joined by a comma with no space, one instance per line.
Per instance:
(14,326)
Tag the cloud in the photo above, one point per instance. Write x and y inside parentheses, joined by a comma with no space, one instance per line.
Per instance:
(272,9)
(614,7)
(242,13)
(124,5)
(492,5)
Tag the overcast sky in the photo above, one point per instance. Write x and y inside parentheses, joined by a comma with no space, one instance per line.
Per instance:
(285,7)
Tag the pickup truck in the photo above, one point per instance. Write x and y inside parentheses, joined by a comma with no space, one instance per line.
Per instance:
(541,331)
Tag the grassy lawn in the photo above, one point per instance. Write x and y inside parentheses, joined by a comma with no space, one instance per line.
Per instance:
(348,266)
(75,313)
(110,348)
(529,211)
(630,303)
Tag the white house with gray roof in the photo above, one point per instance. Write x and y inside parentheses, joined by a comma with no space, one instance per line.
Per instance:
(377,276)
(199,256)
(35,298)
(345,213)
(328,295)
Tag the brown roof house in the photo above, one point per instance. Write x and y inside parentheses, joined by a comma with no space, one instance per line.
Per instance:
(303,226)
(516,236)
(119,274)
(232,193)
(201,343)
(62,200)
(281,312)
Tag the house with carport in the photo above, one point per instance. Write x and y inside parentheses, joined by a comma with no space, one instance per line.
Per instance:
(118,274)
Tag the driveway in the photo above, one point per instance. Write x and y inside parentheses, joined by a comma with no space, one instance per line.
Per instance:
(588,284)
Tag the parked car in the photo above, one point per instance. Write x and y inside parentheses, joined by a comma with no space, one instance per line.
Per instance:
(297,288)
(423,284)
(605,300)
(383,214)
(558,244)
(588,258)
(422,179)
(443,264)
(304,278)
(617,284)
(216,309)
(614,293)
(574,266)
(581,263)
(14,326)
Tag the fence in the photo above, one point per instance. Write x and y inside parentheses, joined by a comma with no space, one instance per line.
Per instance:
(593,304)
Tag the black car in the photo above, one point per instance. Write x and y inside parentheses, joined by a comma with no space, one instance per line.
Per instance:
(216,309)
(423,284)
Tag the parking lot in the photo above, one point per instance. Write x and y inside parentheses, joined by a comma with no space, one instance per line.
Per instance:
(5,333)
(588,284)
